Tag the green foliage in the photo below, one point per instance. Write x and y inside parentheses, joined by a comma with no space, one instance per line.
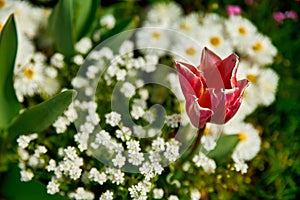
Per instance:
(32,190)
(9,105)
(41,116)
(229,143)
(71,20)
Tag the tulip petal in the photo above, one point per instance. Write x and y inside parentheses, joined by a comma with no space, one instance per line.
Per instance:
(208,66)
(234,99)
(208,60)
(228,68)
(191,80)
(197,114)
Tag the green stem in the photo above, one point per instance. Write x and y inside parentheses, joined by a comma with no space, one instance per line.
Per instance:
(196,143)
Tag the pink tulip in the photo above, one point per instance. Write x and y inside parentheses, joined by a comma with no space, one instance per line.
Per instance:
(211,90)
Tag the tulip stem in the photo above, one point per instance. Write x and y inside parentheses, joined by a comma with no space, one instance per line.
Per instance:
(197,142)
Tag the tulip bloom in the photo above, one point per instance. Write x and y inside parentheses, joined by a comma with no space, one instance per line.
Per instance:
(211,90)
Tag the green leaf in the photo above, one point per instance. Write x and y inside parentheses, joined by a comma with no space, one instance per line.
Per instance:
(69,21)
(83,14)
(121,32)
(41,116)
(9,105)
(12,188)
(61,27)
(225,146)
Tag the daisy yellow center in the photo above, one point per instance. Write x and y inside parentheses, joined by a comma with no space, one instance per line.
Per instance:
(242,30)
(215,40)
(185,26)
(156,35)
(191,51)
(206,131)
(2,3)
(242,136)
(29,73)
(258,46)
(252,78)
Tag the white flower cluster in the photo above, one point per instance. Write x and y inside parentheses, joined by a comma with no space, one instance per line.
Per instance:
(131,140)
(223,36)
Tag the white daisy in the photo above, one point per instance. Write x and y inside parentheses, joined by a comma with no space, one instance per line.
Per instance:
(239,30)
(187,50)
(268,81)
(249,141)
(188,25)
(28,18)
(212,36)
(28,79)
(164,14)
(261,50)
(153,40)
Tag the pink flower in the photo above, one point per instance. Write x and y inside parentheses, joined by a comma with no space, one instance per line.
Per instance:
(233,10)
(211,90)
(291,14)
(279,17)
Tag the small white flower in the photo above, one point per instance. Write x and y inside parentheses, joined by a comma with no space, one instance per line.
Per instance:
(23,141)
(133,146)
(124,134)
(95,175)
(26,175)
(195,194)
(136,158)
(126,47)
(82,194)
(107,195)
(241,166)
(52,187)
(172,150)
(137,112)
(113,118)
(83,45)
(57,60)
(173,120)
(119,160)
(80,82)
(78,59)
(121,74)
(51,166)
(61,124)
(158,144)
(158,193)
(108,21)
(128,89)
(173,197)
(115,175)
(206,163)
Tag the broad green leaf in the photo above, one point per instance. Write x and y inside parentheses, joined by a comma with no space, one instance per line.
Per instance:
(83,14)
(9,105)
(61,27)
(41,116)
(225,146)
(13,189)
(69,21)
(122,25)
